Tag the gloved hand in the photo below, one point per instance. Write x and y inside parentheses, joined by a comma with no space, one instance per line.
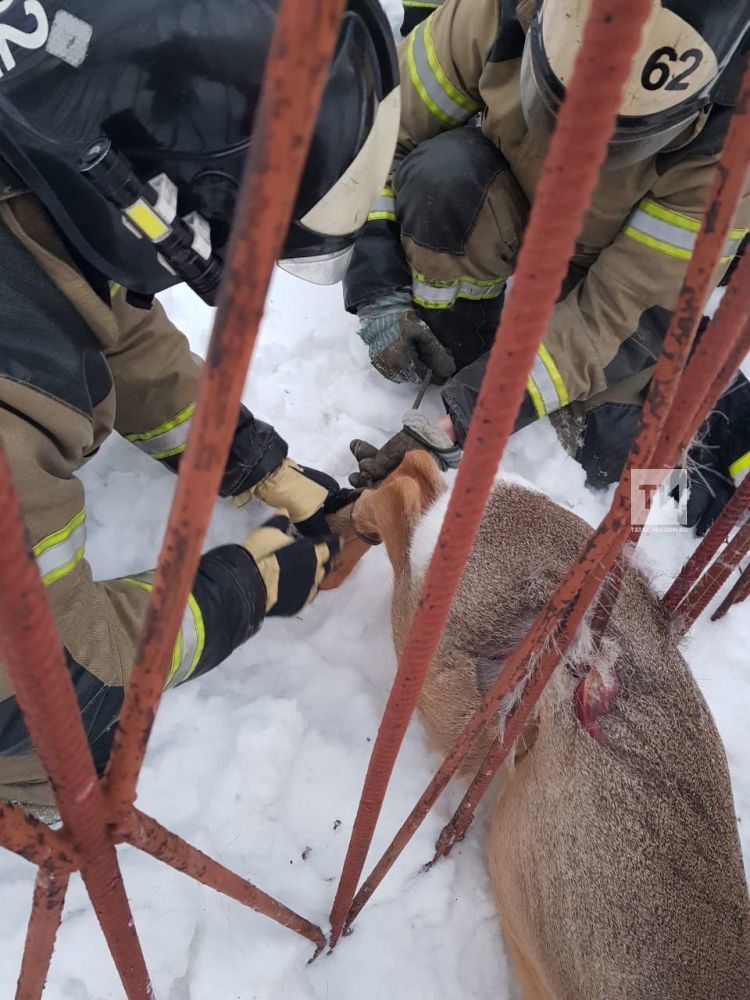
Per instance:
(402,346)
(720,458)
(292,569)
(307,495)
(417,433)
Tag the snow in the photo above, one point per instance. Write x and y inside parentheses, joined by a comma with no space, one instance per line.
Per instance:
(263,759)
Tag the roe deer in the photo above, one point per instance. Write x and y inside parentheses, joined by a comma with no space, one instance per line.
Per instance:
(613,851)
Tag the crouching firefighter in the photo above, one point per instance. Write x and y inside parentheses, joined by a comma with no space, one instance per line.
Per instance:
(481,85)
(124,134)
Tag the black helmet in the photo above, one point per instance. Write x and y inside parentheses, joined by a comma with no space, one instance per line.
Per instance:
(687,46)
(130,120)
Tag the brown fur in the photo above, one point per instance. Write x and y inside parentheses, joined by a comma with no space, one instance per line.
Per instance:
(614,860)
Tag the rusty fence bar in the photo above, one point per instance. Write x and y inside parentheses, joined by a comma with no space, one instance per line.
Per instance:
(151,837)
(301,51)
(33,656)
(296,71)
(46,913)
(704,554)
(709,585)
(577,152)
(739,593)
(577,591)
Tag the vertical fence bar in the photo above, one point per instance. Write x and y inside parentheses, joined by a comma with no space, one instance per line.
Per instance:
(576,592)
(46,913)
(31,651)
(704,554)
(296,71)
(739,593)
(577,152)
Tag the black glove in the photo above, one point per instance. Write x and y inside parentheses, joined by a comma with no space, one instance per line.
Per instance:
(720,458)
(292,568)
(402,346)
(417,434)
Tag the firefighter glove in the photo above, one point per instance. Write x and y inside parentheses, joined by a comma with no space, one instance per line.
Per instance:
(402,346)
(292,568)
(417,434)
(720,458)
(302,492)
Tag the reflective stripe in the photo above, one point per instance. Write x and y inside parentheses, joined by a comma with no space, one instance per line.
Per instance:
(738,469)
(422,3)
(168,438)
(114,288)
(384,208)
(59,553)
(673,233)
(439,95)
(546,386)
(443,294)
(190,640)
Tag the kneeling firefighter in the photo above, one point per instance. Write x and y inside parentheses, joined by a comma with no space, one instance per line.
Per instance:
(481,84)
(124,130)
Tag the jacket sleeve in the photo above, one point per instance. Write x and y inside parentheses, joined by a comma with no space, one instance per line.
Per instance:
(441,63)
(613,323)
(156,380)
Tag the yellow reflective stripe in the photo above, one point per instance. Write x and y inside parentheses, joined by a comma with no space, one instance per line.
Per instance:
(741,465)
(455,95)
(422,3)
(384,208)
(59,553)
(168,438)
(60,536)
(438,94)
(536,398)
(114,288)
(654,244)
(554,373)
(142,215)
(657,211)
(443,294)
(191,639)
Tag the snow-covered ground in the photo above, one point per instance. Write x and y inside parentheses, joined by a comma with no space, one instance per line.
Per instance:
(261,762)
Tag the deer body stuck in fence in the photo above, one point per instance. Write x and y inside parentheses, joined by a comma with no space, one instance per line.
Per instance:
(613,851)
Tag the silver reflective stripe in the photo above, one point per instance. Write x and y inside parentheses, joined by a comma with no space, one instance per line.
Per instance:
(429,80)
(443,296)
(544,386)
(59,553)
(190,639)
(168,439)
(672,233)
(663,231)
(384,208)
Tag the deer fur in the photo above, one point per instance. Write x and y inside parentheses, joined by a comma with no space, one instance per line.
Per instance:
(613,850)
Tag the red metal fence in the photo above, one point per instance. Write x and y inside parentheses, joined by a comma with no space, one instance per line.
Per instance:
(98,814)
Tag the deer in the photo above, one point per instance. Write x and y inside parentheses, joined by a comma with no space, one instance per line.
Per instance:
(613,852)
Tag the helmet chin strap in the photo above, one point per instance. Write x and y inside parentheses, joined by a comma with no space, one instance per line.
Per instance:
(149,211)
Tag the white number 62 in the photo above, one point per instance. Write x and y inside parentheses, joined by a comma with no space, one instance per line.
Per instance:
(33,39)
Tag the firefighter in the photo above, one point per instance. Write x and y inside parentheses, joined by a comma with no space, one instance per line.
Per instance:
(124,131)
(481,84)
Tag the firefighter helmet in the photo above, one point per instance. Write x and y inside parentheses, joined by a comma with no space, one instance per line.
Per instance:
(131,120)
(686,48)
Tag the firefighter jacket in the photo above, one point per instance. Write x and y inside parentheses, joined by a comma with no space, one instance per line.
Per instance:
(76,362)
(631,255)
